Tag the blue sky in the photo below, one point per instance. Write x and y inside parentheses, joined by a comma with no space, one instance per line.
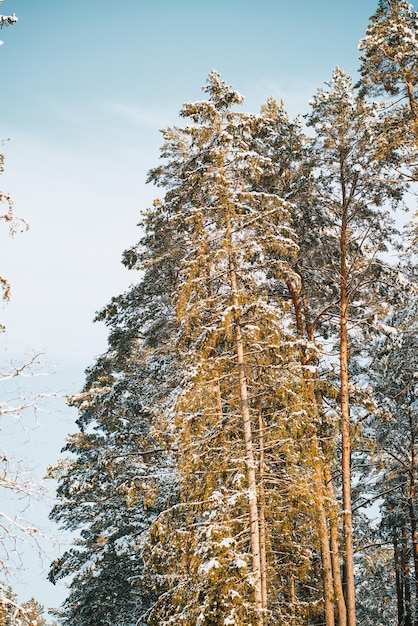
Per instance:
(86,87)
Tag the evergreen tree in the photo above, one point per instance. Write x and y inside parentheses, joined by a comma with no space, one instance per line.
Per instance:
(394,427)
(389,68)
(336,195)
(292,177)
(33,613)
(202,475)
(120,473)
(240,416)
(350,192)
(389,62)
(375,576)
(12,613)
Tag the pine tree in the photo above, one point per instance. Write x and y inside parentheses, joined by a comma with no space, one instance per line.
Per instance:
(389,64)
(389,68)
(121,472)
(12,613)
(375,576)
(209,430)
(350,193)
(292,178)
(319,178)
(240,415)
(394,427)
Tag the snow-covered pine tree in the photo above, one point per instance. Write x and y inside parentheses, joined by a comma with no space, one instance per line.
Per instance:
(354,227)
(301,169)
(231,550)
(12,613)
(120,472)
(375,575)
(394,427)
(212,361)
(389,68)
(291,176)
(390,52)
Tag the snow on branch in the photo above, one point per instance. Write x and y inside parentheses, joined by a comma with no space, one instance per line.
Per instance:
(8,20)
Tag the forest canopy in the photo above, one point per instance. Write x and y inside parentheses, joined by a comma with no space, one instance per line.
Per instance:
(246,447)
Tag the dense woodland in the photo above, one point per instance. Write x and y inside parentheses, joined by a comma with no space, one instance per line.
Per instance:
(246,452)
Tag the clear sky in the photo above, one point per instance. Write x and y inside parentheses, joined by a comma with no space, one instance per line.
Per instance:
(87,85)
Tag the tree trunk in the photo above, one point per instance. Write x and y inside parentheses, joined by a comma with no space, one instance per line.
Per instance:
(292,600)
(411,99)
(398,577)
(328,580)
(335,553)
(263,550)
(325,555)
(345,428)
(406,578)
(248,441)
(411,510)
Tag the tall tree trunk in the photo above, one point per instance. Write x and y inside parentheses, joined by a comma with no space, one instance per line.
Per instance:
(292,599)
(328,580)
(335,552)
(325,554)
(398,577)
(412,514)
(406,577)
(263,550)
(345,427)
(248,439)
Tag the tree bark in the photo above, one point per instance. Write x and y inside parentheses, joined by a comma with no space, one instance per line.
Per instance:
(328,579)
(325,555)
(411,510)
(263,550)
(398,577)
(292,599)
(411,99)
(248,440)
(335,553)
(345,427)
(406,578)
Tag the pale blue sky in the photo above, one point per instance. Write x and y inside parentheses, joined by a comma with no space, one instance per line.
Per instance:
(87,84)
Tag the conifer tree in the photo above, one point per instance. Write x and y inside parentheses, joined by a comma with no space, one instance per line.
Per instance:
(308,175)
(240,414)
(389,68)
(375,576)
(355,229)
(394,427)
(12,613)
(120,473)
(389,62)
(209,429)
(292,178)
